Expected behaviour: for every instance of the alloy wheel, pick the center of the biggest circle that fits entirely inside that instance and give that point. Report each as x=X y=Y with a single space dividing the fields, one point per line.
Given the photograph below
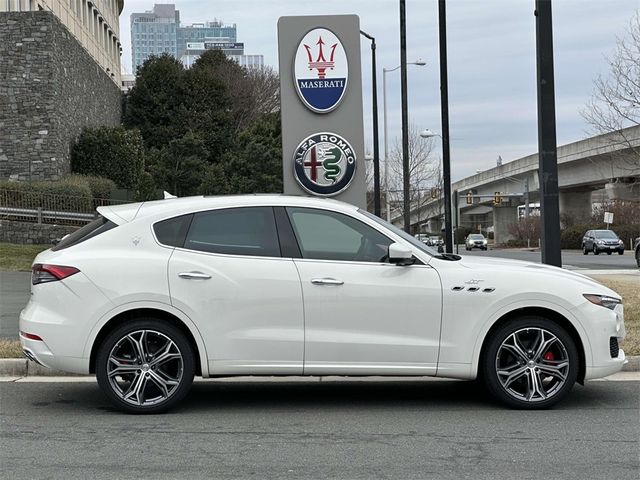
x=532 y=364
x=145 y=367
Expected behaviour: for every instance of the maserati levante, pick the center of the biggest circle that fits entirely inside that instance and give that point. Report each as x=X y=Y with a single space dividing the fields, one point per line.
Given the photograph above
x=151 y=294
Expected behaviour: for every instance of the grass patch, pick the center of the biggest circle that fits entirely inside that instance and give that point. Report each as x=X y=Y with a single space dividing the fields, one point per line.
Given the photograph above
x=629 y=290
x=10 y=349
x=18 y=258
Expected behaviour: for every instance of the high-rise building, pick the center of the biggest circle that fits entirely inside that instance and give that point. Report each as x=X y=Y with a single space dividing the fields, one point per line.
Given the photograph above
x=159 y=31
x=154 y=33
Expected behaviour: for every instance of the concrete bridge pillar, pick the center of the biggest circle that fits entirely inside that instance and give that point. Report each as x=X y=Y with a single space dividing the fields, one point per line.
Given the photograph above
x=575 y=206
x=434 y=225
x=503 y=217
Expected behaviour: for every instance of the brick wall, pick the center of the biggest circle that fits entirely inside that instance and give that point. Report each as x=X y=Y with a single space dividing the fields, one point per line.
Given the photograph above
x=50 y=88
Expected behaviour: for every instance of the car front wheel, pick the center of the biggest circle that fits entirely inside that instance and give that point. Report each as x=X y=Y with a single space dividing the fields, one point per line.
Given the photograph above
x=584 y=250
x=530 y=363
x=638 y=257
x=145 y=366
x=595 y=250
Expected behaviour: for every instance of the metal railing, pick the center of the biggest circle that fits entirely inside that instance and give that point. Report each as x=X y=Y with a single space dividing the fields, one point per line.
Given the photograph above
x=37 y=207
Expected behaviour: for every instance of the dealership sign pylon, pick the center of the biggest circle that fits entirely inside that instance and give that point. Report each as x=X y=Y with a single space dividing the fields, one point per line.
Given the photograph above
x=321 y=106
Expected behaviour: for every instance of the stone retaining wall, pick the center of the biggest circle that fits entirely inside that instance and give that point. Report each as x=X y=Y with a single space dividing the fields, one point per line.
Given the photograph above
x=25 y=233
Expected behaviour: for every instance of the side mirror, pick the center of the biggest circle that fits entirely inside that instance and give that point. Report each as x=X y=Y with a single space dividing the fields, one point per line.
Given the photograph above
x=400 y=255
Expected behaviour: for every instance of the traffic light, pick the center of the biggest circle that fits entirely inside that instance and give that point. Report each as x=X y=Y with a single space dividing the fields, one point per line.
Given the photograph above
x=497 y=199
x=470 y=198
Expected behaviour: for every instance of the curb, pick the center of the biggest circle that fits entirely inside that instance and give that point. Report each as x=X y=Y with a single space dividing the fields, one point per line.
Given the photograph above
x=18 y=367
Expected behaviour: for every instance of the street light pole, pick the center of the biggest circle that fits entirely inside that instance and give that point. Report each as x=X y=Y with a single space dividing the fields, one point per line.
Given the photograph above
x=376 y=147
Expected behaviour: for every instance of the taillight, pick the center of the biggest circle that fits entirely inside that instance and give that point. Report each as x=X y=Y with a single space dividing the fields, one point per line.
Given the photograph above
x=43 y=273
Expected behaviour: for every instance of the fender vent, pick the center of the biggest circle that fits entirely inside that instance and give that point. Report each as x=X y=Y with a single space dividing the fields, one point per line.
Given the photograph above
x=473 y=289
x=488 y=290
x=457 y=289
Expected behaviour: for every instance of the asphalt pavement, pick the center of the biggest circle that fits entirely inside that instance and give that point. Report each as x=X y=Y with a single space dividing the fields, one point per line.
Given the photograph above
x=571 y=259
x=334 y=429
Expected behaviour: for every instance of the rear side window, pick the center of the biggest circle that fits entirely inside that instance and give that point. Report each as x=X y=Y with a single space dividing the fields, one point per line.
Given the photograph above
x=95 y=228
x=235 y=231
x=173 y=231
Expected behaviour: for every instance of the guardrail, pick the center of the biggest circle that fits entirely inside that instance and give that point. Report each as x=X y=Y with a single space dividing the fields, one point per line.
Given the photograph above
x=26 y=206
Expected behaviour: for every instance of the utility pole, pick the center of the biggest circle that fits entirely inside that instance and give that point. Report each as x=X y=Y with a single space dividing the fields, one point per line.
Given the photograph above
x=406 y=204
x=547 y=147
x=444 y=107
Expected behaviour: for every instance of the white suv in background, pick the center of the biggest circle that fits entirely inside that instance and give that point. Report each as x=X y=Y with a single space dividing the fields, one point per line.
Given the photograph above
x=151 y=294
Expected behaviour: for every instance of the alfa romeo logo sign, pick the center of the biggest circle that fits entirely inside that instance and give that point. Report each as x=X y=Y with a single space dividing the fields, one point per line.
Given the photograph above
x=324 y=164
x=321 y=70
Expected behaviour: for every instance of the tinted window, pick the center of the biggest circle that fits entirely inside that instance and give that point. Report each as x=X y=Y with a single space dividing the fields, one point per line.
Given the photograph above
x=173 y=231
x=476 y=236
x=235 y=231
x=326 y=235
x=607 y=234
x=98 y=226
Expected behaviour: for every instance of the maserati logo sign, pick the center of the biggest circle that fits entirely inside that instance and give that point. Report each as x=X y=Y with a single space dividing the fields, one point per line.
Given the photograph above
x=321 y=71
x=324 y=164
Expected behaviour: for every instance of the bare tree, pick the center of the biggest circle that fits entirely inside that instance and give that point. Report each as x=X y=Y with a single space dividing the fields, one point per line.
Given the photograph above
x=424 y=171
x=615 y=103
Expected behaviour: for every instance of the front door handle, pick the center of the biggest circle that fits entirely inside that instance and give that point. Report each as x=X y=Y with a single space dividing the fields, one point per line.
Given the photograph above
x=194 y=275
x=326 y=281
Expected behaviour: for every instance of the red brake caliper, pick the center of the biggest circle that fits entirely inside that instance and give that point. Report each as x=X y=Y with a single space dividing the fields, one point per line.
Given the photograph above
x=549 y=356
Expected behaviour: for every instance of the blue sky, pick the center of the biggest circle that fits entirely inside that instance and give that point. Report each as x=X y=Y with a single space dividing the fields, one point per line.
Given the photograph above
x=491 y=50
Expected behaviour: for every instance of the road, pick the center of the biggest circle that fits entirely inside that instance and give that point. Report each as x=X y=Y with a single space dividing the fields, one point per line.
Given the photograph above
x=332 y=429
x=571 y=259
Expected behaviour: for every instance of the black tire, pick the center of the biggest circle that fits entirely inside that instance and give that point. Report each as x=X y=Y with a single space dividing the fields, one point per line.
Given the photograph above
x=584 y=250
x=527 y=326
x=183 y=367
x=638 y=257
x=595 y=250
x=609 y=252
x=620 y=252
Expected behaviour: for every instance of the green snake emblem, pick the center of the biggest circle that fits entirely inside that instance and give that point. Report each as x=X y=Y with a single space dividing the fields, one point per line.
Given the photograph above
x=332 y=157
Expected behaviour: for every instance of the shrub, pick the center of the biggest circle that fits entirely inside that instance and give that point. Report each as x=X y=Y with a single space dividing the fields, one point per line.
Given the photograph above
x=101 y=188
x=70 y=195
x=110 y=152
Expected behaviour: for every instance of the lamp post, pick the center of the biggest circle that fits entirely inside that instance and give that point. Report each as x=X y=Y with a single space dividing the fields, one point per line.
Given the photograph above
x=374 y=101
x=419 y=63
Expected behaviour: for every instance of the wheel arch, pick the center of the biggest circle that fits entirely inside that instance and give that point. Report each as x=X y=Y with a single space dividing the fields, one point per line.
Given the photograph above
x=142 y=312
x=549 y=314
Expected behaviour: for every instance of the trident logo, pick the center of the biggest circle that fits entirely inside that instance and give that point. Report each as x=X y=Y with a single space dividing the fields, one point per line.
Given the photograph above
x=321 y=64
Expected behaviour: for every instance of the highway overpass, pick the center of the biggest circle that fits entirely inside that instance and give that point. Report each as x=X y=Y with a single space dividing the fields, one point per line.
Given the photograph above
x=610 y=162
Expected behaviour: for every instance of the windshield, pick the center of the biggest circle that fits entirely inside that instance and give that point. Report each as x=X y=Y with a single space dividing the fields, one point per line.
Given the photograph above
x=401 y=233
x=476 y=236
x=606 y=234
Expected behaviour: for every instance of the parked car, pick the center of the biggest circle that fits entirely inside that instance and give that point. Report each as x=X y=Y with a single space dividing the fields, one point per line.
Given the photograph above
x=435 y=241
x=636 y=247
x=149 y=295
x=422 y=237
x=475 y=240
x=598 y=241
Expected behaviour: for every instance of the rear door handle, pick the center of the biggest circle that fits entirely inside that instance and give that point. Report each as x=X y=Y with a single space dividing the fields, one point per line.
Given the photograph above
x=194 y=275
x=326 y=281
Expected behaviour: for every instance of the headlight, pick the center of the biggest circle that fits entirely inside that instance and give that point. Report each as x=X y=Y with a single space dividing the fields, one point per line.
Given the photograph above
x=603 y=300
x=620 y=242
x=600 y=242
x=484 y=241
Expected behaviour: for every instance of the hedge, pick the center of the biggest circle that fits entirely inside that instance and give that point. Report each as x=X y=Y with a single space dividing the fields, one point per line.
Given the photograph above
x=67 y=194
x=110 y=152
x=101 y=188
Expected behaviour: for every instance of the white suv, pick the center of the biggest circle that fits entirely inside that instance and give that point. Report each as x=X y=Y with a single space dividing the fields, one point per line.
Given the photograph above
x=151 y=294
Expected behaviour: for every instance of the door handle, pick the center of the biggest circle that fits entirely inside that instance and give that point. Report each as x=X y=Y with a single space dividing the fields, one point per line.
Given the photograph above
x=194 y=275
x=326 y=281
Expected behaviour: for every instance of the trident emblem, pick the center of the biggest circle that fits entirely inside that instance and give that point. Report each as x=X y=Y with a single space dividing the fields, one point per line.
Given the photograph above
x=321 y=64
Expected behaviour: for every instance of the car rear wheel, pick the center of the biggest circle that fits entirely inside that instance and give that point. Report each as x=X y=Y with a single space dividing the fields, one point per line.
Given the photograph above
x=530 y=363
x=584 y=250
x=145 y=366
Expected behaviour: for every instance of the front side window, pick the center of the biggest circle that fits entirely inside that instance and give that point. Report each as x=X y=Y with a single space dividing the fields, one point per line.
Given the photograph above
x=326 y=235
x=235 y=231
